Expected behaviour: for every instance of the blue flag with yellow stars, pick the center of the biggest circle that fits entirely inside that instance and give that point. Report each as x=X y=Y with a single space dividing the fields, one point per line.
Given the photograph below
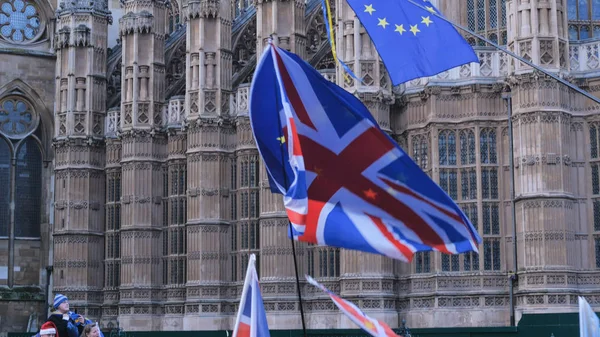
x=411 y=41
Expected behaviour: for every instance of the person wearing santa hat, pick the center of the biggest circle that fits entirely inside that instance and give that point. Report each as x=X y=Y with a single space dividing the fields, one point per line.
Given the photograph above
x=48 y=330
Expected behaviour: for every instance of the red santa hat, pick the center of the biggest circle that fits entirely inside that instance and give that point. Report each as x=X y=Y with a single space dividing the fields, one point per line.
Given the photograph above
x=48 y=328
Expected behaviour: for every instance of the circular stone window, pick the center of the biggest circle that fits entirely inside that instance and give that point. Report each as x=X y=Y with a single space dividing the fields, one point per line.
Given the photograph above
x=17 y=118
x=19 y=21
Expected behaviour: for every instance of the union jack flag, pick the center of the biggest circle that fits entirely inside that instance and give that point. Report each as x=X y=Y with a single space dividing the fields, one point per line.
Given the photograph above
x=252 y=318
x=345 y=182
x=372 y=326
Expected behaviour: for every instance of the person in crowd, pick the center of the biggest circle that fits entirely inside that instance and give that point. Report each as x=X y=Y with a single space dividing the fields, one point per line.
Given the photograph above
x=68 y=324
x=91 y=330
x=48 y=330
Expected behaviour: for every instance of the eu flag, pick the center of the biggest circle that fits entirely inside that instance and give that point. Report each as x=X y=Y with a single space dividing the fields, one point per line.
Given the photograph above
x=411 y=41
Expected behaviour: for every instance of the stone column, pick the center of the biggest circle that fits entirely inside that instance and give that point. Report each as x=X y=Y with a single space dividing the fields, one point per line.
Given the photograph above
x=209 y=58
x=362 y=272
x=545 y=211
x=284 y=21
x=209 y=133
x=79 y=144
x=142 y=31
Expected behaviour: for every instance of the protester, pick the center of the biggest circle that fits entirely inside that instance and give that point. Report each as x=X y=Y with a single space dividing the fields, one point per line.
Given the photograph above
x=66 y=324
x=91 y=330
x=48 y=330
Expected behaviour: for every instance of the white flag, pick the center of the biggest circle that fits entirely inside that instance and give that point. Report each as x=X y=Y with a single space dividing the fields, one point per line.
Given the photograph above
x=589 y=324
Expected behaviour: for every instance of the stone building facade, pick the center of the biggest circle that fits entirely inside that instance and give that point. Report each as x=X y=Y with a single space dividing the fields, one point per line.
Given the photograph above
x=129 y=179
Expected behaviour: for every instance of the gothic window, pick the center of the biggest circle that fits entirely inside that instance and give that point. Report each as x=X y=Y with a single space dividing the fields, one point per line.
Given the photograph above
x=447 y=149
x=20 y=21
x=491 y=254
x=20 y=153
x=488 y=18
x=323 y=261
x=420 y=151
x=112 y=253
x=5 y=155
x=597 y=251
x=245 y=240
x=177 y=218
x=595 y=170
x=584 y=19
x=450 y=262
x=245 y=206
x=468 y=173
x=489 y=192
x=471 y=261
x=422 y=262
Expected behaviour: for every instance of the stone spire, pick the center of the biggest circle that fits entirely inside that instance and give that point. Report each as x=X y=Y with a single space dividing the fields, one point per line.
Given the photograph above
x=142 y=31
x=79 y=191
x=208 y=86
x=209 y=133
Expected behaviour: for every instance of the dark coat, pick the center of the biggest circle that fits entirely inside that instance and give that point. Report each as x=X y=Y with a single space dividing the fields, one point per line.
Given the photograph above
x=65 y=328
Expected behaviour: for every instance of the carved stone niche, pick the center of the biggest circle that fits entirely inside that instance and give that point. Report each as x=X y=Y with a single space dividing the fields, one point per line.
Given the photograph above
x=81 y=36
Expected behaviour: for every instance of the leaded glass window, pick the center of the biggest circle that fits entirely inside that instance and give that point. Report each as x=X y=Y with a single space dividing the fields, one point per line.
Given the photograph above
x=594 y=140
x=5 y=155
x=584 y=19
x=245 y=211
x=422 y=262
x=491 y=253
x=487 y=144
x=28 y=189
x=420 y=151
x=447 y=147
x=19 y=20
x=596 y=214
x=488 y=18
x=450 y=262
x=471 y=261
x=597 y=251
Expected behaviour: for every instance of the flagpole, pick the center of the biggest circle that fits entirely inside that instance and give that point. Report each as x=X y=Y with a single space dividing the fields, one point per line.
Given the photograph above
x=285 y=178
x=529 y=63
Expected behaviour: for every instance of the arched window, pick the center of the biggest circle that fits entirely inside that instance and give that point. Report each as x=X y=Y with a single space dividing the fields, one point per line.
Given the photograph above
x=20 y=168
x=5 y=155
x=584 y=19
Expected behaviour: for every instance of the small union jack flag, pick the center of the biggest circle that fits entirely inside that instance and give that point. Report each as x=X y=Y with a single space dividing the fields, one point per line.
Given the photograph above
x=345 y=182
x=252 y=318
x=372 y=326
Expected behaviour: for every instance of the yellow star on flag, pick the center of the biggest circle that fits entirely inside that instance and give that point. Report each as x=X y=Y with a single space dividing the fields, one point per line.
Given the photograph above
x=426 y=20
x=382 y=22
x=369 y=9
x=414 y=29
x=400 y=29
x=430 y=9
x=281 y=139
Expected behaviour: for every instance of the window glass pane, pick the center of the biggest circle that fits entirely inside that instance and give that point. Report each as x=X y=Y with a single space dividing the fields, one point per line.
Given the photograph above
x=583 y=10
x=28 y=189
x=4 y=191
x=584 y=32
x=595 y=9
x=573 y=33
x=572 y=9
